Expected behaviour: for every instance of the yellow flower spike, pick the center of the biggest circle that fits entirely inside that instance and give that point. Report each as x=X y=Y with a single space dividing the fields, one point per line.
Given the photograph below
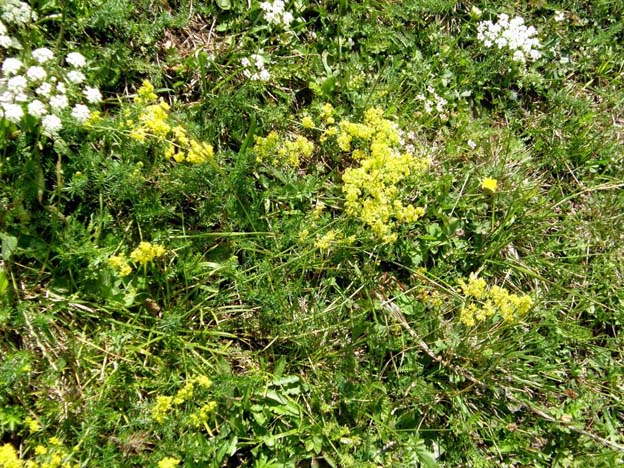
x=489 y=184
x=94 y=118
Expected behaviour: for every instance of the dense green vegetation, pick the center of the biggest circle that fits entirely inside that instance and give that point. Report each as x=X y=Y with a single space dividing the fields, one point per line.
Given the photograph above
x=311 y=234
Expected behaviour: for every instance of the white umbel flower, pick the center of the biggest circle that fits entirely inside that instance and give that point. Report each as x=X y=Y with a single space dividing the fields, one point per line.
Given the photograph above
x=42 y=55
x=512 y=35
x=51 y=124
x=12 y=112
x=76 y=59
x=76 y=77
x=81 y=113
x=5 y=41
x=59 y=102
x=11 y=66
x=36 y=73
x=36 y=108
x=44 y=90
x=264 y=75
x=16 y=12
x=17 y=84
x=92 y=94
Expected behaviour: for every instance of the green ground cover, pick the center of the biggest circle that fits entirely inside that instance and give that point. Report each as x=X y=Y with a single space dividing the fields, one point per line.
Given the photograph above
x=311 y=234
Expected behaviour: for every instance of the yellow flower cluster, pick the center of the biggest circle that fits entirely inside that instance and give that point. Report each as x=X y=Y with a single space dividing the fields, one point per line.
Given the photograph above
x=32 y=424
x=307 y=122
x=182 y=148
x=372 y=189
x=168 y=462
x=164 y=404
x=283 y=151
x=8 y=457
x=153 y=122
x=482 y=301
x=52 y=456
x=145 y=94
x=145 y=253
x=119 y=263
x=201 y=415
x=325 y=241
x=327 y=114
x=161 y=408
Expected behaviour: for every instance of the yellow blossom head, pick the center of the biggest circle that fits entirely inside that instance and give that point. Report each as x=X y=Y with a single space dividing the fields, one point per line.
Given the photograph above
x=489 y=184
x=147 y=252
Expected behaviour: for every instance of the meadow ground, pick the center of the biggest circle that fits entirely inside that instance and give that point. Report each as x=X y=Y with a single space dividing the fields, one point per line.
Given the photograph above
x=311 y=234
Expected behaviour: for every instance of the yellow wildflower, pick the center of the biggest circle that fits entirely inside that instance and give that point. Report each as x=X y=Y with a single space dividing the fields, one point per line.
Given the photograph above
x=325 y=241
x=489 y=184
x=467 y=315
x=55 y=441
x=94 y=118
x=184 y=394
x=199 y=152
x=120 y=264
x=282 y=151
x=147 y=252
x=307 y=122
x=161 y=408
x=40 y=450
x=203 y=381
x=476 y=287
x=32 y=424
x=327 y=112
x=168 y=462
x=8 y=457
x=493 y=300
x=201 y=416
x=145 y=94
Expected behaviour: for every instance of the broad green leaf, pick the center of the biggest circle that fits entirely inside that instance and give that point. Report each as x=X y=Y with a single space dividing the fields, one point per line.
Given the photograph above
x=9 y=245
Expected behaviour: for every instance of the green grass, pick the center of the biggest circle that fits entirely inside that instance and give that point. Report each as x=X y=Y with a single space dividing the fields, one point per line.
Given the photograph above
x=325 y=345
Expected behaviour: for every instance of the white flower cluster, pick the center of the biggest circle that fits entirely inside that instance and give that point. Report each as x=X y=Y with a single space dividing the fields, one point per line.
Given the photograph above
x=254 y=68
x=6 y=41
x=16 y=12
x=274 y=13
x=511 y=34
x=41 y=89
x=432 y=100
